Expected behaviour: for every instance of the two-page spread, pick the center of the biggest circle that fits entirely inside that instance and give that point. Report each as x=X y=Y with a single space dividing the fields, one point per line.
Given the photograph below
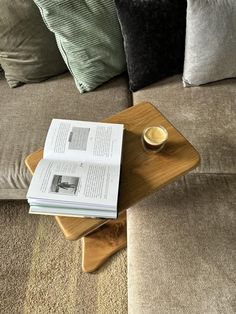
x=80 y=172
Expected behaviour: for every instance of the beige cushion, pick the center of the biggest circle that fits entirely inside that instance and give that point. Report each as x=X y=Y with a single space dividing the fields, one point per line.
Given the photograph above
x=181 y=240
x=205 y=115
x=181 y=248
x=26 y=113
x=28 y=50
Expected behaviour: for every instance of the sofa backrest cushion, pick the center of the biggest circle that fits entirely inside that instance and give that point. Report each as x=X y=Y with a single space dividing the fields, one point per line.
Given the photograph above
x=89 y=38
x=28 y=50
x=210 y=53
x=154 y=35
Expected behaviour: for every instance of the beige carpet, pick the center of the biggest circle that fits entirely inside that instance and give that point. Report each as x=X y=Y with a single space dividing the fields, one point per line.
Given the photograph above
x=40 y=272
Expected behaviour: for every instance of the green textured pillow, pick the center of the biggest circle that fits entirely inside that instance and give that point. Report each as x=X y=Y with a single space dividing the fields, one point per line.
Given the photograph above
x=28 y=50
x=89 y=38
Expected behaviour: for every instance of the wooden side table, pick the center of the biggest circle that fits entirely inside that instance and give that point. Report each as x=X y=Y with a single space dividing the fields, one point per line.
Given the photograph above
x=142 y=173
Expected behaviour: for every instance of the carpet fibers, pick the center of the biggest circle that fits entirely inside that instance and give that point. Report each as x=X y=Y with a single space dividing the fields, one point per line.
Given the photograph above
x=40 y=271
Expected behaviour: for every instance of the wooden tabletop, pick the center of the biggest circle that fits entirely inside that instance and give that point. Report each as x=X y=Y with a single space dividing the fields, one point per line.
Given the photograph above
x=142 y=173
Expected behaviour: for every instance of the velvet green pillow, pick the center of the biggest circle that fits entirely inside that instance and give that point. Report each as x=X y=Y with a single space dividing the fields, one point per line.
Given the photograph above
x=28 y=50
x=89 y=38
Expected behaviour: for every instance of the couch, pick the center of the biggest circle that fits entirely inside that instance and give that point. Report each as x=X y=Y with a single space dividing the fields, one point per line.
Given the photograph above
x=181 y=240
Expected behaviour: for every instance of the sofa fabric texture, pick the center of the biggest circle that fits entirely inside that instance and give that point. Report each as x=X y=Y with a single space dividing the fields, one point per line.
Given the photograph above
x=89 y=38
x=26 y=114
x=181 y=248
x=154 y=37
x=210 y=53
x=28 y=50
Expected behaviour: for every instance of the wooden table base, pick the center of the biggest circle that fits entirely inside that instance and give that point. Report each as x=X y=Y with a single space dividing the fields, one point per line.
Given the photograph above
x=105 y=241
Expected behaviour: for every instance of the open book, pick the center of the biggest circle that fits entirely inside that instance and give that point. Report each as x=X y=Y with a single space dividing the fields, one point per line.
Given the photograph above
x=79 y=174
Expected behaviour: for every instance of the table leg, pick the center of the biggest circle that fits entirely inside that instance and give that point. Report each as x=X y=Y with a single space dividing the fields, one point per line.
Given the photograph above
x=105 y=241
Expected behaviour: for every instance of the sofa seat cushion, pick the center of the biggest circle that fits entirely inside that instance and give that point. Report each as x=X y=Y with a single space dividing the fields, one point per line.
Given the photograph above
x=26 y=113
x=181 y=248
x=205 y=115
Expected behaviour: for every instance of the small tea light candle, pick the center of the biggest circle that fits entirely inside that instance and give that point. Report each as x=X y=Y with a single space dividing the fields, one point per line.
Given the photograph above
x=154 y=138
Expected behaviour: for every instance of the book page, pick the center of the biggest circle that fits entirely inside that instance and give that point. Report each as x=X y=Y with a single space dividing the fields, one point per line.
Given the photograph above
x=84 y=141
x=72 y=212
x=77 y=182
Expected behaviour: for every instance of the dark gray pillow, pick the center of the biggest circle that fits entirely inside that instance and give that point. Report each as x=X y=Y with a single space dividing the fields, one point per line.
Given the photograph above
x=154 y=35
x=210 y=52
x=28 y=50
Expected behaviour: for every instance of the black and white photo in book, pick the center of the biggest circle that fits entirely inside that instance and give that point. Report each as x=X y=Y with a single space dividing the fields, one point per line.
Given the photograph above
x=78 y=138
x=64 y=185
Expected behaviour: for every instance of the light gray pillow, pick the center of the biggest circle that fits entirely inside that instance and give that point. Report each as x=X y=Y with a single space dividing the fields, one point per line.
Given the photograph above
x=210 y=48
